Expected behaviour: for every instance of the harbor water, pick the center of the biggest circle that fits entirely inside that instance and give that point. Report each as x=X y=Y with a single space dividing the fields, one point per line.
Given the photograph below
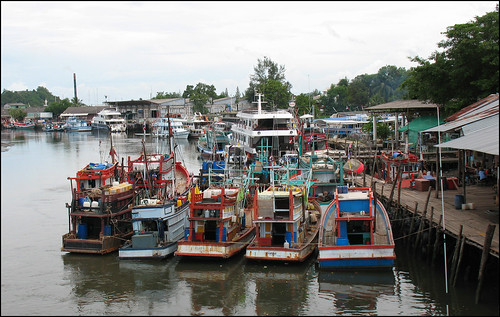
x=39 y=279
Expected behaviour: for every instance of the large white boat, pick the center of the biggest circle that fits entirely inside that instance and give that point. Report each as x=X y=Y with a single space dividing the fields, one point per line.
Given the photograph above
x=162 y=127
x=276 y=129
x=77 y=124
x=197 y=125
x=109 y=119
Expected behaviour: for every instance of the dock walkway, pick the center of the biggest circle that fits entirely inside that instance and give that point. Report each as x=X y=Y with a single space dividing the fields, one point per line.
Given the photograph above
x=475 y=222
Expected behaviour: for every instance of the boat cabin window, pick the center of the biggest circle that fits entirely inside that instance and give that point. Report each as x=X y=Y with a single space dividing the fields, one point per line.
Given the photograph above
x=149 y=225
x=358 y=232
x=278 y=233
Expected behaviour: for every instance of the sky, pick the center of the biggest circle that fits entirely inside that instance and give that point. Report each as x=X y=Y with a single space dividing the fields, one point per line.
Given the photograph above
x=128 y=50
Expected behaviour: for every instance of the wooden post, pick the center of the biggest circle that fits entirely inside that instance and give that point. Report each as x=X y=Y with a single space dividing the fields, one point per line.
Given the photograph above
x=394 y=183
x=364 y=177
x=427 y=200
x=420 y=228
x=412 y=221
x=399 y=192
x=431 y=225
x=436 y=241
x=484 y=258
x=462 y=245
x=455 y=254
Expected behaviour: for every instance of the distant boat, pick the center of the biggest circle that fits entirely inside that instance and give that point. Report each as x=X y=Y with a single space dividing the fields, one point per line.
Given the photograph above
x=76 y=124
x=355 y=232
x=53 y=127
x=164 y=127
x=23 y=125
x=197 y=125
x=109 y=119
x=213 y=145
x=256 y=128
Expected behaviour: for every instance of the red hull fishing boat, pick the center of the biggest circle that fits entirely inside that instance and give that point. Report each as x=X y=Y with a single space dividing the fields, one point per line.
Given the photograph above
x=100 y=210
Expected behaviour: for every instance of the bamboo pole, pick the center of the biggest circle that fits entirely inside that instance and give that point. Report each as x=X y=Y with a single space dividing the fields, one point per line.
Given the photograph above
x=421 y=228
x=431 y=225
x=412 y=221
x=394 y=183
x=484 y=258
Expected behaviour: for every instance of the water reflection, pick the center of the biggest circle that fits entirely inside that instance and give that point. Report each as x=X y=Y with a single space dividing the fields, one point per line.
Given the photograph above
x=356 y=291
x=216 y=285
x=280 y=283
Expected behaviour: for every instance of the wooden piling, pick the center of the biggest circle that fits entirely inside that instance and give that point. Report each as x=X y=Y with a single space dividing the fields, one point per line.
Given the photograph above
x=412 y=221
x=436 y=241
x=421 y=228
x=431 y=225
x=455 y=254
x=394 y=183
x=484 y=258
x=457 y=270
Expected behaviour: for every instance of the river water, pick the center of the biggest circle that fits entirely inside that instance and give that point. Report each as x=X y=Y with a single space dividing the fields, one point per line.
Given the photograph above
x=38 y=279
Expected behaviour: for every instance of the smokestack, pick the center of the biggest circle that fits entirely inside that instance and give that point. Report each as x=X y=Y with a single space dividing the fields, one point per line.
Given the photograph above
x=74 y=81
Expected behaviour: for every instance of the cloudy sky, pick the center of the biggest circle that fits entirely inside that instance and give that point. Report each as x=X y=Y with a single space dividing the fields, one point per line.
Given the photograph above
x=132 y=50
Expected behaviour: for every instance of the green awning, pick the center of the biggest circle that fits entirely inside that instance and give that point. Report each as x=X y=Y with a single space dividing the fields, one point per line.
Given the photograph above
x=420 y=124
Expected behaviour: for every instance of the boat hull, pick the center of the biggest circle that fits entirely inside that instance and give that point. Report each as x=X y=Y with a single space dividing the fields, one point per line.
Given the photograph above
x=127 y=252
x=216 y=249
x=96 y=246
x=356 y=257
x=281 y=253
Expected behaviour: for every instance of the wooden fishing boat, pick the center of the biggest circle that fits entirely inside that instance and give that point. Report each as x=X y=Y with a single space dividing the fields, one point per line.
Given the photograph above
x=100 y=210
x=212 y=145
x=355 y=232
x=27 y=125
x=218 y=224
x=287 y=224
x=159 y=216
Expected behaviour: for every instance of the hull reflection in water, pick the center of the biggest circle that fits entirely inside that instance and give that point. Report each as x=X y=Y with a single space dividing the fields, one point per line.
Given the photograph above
x=281 y=290
x=217 y=285
x=357 y=291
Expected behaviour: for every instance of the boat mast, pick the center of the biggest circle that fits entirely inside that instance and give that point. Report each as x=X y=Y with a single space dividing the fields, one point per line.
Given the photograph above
x=172 y=150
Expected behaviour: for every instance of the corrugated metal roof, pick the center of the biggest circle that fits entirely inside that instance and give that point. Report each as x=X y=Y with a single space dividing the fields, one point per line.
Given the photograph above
x=401 y=105
x=482 y=109
x=483 y=140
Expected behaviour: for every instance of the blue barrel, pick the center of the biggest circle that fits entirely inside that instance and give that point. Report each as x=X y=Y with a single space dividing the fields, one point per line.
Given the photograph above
x=288 y=237
x=459 y=200
x=82 y=231
x=107 y=230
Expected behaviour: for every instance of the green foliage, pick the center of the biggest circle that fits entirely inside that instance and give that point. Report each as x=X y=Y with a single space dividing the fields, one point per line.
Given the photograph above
x=18 y=114
x=167 y=95
x=467 y=69
x=269 y=79
x=34 y=98
x=58 y=107
x=383 y=128
x=200 y=96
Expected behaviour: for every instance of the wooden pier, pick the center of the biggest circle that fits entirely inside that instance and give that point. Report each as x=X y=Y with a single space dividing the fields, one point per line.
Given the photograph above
x=474 y=223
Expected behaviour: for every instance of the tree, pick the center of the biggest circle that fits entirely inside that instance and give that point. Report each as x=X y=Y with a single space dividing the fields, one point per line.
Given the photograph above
x=269 y=79
x=200 y=96
x=18 y=114
x=467 y=69
x=358 y=92
x=383 y=128
x=166 y=95
x=58 y=107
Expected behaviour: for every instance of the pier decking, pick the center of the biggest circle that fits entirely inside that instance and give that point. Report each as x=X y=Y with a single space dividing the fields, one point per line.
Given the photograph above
x=475 y=222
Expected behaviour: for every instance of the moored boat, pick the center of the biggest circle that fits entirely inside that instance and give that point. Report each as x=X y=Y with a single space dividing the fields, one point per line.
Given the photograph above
x=109 y=119
x=74 y=124
x=165 y=127
x=160 y=214
x=213 y=144
x=26 y=125
x=219 y=225
x=100 y=210
x=287 y=224
x=355 y=232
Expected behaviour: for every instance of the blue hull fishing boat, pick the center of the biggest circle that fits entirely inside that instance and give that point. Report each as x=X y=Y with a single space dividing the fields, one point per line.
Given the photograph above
x=355 y=232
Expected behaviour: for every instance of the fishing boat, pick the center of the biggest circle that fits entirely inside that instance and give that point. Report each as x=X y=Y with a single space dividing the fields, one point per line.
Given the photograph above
x=275 y=128
x=197 y=125
x=26 y=125
x=75 y=124
x=212 y=145
x=164 y=127
x=109 y=119
x=287 y=223
x=219 y=225
x=53 y=127
x=160 y=214
x=101 y=209
x=355 y=232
